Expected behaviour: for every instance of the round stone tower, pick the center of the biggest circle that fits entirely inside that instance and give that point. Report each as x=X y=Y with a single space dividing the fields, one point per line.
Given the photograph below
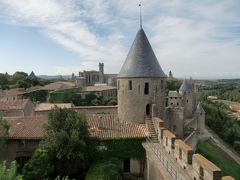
x=141 y=83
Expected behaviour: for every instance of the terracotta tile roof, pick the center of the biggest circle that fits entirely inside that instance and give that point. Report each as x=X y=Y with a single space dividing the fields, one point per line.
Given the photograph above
x=13 y=105
x=58 y=86
x=98 y=88
x=49 y=106
x=183 y=145
x=108 y=127
x=14 y=92
x=26 y=127
x=208 y=164
x=168 y=133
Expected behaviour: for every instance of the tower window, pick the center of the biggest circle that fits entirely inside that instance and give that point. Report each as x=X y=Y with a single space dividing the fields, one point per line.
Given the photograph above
x=174 y=128
x=161 y=84
x=146 y=88
x=118 y=84
x=130 y=84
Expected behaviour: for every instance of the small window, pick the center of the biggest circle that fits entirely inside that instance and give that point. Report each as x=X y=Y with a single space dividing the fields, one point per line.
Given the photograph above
x=161 y=84
x=146 y=88
x=138 y=89
x=177 y=104
x=187 y=101
x=118 y=85
x=126 y=165
x=180 y=153
x=130 y=84
x=174 y=128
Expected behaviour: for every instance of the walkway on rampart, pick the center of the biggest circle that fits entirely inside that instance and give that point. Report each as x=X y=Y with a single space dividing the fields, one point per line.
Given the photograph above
x=167 y=161
x=226 y=148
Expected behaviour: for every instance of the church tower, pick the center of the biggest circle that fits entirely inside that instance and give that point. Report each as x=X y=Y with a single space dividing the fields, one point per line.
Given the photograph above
x=141 y=83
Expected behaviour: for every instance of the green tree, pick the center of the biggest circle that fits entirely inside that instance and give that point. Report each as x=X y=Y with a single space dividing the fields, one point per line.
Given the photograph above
x=95 y=102
x=39 y=167
x=9 y=173
x=67 y=145
x=18 y=76
x=173 y=83
x=4 y=81
x=112 y=101
x=105 y=170
x=4 y=127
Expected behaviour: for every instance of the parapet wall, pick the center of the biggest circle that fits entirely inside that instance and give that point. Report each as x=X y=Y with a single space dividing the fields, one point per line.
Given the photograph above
x=195 y=165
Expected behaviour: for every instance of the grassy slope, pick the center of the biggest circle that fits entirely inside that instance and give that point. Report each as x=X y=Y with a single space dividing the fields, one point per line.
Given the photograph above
x=212 y=152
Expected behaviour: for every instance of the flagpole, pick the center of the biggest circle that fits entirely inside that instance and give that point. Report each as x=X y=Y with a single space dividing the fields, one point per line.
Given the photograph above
x=140 y=5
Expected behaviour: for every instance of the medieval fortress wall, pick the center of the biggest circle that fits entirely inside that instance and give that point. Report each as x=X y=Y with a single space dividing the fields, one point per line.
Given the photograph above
x=172 y=158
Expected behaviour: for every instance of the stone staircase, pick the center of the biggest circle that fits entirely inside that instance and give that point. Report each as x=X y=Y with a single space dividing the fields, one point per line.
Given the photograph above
x=151 y=129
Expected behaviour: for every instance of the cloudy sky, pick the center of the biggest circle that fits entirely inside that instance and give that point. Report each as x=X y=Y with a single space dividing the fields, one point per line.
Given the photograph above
x=190 y=37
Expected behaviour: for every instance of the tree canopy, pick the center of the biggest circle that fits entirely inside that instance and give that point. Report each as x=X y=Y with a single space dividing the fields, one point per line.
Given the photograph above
x=67 y=149
x=4 y=127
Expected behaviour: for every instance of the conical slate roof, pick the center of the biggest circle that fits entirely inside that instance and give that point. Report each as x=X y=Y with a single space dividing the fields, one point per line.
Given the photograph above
x=141 y=60
x=185 y=87
x=200 y=108
x=32 y=75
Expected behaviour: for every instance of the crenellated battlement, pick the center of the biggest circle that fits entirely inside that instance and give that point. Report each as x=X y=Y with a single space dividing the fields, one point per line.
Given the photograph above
x=178 y=158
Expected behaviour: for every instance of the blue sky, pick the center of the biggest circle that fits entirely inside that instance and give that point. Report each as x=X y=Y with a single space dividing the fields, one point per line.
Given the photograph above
x=192 y=38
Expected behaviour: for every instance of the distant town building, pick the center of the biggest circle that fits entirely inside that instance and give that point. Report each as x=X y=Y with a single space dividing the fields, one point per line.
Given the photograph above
x=92 y=77
x=16 y=108
x=101 y=90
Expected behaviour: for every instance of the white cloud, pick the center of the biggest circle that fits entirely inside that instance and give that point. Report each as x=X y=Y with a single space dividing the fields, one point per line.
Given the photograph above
x=189 y=37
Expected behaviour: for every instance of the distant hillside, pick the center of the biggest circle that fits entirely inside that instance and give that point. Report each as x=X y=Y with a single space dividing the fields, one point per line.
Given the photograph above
x=55 y=77
x=218 y=84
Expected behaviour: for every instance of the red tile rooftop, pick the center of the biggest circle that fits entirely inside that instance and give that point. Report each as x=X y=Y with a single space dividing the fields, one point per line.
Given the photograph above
x=102 y=127
x=13 y=92
x=16 y=104
x=26 y=127
x=109 y=127
x=58 y=86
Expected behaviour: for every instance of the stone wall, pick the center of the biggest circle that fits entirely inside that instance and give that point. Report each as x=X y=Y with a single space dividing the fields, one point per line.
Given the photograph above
x=29 y=108
x=88 y=110
x=133 y=101
x=13 y=113
x=17 y=148
x=195 y=166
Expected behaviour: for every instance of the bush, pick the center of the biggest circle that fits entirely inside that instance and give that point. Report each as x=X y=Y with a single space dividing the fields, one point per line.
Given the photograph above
x=9 y=173
x=39 y=166
x=236 y=146
x=219 y=120
x=105 y=170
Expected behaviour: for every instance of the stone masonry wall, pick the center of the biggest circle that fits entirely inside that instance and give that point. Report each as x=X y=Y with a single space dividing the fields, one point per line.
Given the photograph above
x=132 y=102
